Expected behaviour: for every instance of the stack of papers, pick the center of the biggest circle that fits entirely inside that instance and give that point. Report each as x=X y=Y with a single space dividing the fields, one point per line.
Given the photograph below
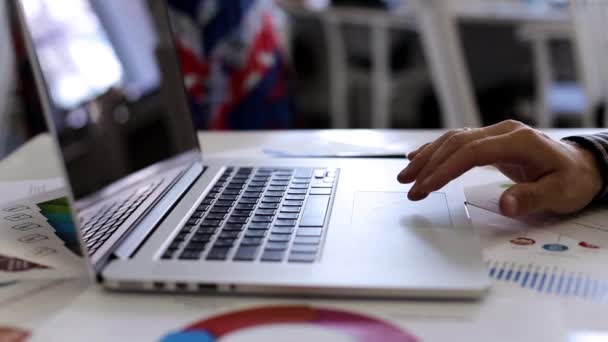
x=38 y=239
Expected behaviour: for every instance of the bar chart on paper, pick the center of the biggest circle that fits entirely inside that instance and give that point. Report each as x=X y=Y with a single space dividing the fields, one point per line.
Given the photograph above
x=550 y=280
x=559 y=257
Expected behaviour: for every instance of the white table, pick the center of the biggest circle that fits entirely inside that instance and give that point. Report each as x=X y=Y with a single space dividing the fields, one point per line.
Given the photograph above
x=76 y=310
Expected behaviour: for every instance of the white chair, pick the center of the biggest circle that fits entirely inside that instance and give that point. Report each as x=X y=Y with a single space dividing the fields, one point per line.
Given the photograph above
x=589 y=22
x=436 y=24
x=7 y=77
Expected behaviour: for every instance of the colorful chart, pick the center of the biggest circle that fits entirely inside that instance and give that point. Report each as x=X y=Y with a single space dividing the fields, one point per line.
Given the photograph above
x=553 y=281
x=354 y=326
x=58 y=214
x=9 y=264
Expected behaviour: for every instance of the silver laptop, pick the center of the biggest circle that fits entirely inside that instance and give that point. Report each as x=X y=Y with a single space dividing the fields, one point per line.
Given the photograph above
x=153 y=214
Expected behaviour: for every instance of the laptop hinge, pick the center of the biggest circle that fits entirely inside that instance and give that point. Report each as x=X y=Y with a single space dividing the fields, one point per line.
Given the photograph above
x=141 y=231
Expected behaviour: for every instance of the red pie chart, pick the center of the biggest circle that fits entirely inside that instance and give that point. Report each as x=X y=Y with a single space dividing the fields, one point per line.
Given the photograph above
x=294 y=321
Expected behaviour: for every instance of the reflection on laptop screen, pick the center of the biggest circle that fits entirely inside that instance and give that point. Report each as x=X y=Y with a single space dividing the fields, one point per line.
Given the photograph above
x=113 y=84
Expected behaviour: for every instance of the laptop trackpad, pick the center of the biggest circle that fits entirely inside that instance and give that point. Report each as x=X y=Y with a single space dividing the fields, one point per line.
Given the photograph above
x=393 y=209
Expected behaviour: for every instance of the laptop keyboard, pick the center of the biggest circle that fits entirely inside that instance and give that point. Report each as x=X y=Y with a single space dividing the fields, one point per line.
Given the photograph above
x=265 y=214
x=97 y=230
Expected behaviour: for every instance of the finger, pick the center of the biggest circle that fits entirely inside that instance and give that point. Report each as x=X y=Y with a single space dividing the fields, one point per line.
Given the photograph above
x=456 y=142
x=421 y=158
x=488 y=151
x=414 y=153
x=526 y=198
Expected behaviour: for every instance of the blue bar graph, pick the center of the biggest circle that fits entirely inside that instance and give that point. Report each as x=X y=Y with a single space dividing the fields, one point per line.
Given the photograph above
x=550 y=280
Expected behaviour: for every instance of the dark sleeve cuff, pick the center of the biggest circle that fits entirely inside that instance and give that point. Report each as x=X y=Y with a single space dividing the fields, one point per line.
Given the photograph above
x=598 y=145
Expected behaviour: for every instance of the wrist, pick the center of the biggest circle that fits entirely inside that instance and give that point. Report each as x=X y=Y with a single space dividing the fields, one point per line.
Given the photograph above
x=590 y=168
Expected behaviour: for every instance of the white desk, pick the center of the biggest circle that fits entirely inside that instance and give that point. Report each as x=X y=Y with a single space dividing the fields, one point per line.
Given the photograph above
x=77 y=311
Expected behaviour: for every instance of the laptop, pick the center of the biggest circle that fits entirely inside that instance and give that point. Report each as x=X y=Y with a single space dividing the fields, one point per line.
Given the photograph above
x=154 y=214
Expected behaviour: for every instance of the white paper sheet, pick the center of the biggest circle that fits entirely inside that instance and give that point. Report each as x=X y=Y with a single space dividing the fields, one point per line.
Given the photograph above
x=547 y=256
x=25 y=233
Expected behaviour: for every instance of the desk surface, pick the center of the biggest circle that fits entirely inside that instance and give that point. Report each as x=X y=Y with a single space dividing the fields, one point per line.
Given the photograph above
x=502 y=316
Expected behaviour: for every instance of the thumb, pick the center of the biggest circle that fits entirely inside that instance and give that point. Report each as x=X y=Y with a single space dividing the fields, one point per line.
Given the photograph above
x=525 y=198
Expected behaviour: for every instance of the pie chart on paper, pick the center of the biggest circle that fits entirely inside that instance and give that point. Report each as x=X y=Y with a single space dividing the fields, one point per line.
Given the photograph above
x=290 y=323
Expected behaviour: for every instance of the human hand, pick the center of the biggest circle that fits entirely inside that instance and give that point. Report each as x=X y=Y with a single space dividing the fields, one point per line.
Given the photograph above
x=554 y=176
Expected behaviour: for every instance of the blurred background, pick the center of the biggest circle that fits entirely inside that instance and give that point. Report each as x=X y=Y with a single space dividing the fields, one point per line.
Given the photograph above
x=310 y=64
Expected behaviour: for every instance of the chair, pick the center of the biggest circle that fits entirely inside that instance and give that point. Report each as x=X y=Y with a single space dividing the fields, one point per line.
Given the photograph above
x=437 y=28
x=589 y=92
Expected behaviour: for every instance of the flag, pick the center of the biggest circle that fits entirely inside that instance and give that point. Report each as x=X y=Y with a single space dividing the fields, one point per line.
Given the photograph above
x=234 y=64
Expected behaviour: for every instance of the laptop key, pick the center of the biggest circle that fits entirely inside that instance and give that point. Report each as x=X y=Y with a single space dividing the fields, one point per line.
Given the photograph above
x=297 y=191
x=282 y=230
x=206 y=230
x=310 y=232
x=302 y=257
x=228 y=197
x=245 y=206
x=320 y=191
x=235 y=227
x=274 y=193
x=269 y=206
x=222 y=203
x=273 y=256
x=190 y=255
x=279 y=183
x=168 y=255
x=246 y=253
x=271 y=200
x=229 y=235
x=307 y=240
x=252 y=194
x=293 y=203
x=248 y=201
x=218 y=254
x=288 y=216
x=220 y=210
x=299 y=186
x=295 y=197
x=291 y=209
x=259 y=226
x=195 y=246
x=279 y=238
x=315 y=211
x=285 y=223
x=197 y=214
x=277 y=246
x=304 y=248
x=215 y=216
x=303 y=173
x=223 y=243
x=242 y=213
x=175 y=245
x=252 y=241
x=211 y=223
x=255 y=233
x=201 y=238
x=262 y=219
x=237 y=219
x=265 y=212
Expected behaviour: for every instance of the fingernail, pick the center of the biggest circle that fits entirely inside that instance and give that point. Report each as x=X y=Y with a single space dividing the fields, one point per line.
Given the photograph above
x=510 y=205
x=401 y=177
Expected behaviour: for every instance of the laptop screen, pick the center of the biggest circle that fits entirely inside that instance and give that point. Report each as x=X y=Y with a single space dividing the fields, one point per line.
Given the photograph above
x=113 y=87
